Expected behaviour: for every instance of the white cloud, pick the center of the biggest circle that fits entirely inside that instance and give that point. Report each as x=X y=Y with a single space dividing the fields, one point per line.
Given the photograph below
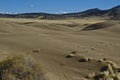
x=5 y=12
x=8 y=12
x=62 y=12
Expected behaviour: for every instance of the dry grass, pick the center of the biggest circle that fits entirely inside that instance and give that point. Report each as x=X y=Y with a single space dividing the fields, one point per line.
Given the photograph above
x=77 y=21
x=21 y=68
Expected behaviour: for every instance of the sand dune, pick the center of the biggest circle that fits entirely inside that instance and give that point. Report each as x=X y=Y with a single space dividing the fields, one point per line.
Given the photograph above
x=56 y=39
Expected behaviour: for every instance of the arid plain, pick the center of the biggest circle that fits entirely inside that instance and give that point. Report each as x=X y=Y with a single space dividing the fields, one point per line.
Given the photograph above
x=55 y=39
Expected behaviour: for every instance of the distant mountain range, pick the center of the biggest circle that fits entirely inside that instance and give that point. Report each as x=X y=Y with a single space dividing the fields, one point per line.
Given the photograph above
x=113 y=13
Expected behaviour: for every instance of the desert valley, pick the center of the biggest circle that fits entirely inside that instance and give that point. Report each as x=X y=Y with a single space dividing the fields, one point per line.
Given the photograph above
x=75 y=46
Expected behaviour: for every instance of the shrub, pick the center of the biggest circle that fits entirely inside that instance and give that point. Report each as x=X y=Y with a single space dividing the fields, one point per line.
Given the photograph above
x=21 y=68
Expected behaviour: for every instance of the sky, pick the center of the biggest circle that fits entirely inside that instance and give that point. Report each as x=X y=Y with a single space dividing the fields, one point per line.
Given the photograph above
x=54 y=6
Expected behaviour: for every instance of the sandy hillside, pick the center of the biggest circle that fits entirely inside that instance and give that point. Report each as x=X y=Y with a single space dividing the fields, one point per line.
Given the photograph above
x=96 y=39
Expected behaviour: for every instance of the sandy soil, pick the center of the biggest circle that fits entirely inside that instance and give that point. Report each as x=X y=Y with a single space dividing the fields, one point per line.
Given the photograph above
x=58 y=38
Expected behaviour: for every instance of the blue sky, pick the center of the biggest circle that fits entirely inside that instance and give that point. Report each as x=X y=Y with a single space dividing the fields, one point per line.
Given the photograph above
x=54 y=6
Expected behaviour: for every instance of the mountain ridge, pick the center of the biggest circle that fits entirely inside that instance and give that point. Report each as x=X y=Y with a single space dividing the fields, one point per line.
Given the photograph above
x=113 y=13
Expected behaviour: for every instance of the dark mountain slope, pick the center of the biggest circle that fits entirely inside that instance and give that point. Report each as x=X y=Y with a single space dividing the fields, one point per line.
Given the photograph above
x=113 y=13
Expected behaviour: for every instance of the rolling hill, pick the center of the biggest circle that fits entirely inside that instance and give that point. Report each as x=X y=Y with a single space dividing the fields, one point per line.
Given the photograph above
x=113 y=13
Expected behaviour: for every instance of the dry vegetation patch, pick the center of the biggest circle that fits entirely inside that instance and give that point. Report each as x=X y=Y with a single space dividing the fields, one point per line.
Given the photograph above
x=21 y=68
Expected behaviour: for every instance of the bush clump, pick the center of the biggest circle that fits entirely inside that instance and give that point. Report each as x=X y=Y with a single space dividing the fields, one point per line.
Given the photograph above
x=21 y=68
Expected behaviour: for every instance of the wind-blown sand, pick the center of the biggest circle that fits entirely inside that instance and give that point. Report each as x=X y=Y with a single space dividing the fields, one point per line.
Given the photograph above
x=58 y=38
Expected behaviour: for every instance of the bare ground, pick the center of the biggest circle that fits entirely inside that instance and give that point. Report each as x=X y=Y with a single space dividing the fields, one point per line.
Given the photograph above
x=58 y=38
